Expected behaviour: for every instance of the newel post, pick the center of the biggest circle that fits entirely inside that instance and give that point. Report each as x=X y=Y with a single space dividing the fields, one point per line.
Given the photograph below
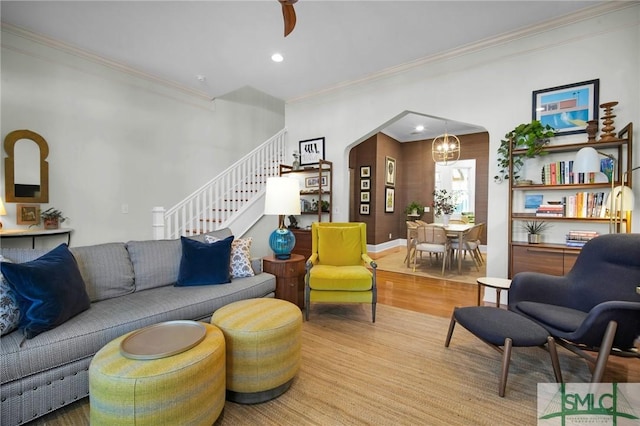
x=158 y=223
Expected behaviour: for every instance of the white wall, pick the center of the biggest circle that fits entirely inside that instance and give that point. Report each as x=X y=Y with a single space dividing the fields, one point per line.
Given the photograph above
x=117 y=138
x=489 y=87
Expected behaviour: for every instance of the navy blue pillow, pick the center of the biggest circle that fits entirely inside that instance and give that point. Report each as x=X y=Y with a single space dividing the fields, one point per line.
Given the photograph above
x=204 y=263
x=49 y=290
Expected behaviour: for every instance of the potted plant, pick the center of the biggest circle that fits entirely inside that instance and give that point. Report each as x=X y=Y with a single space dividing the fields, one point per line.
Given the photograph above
x=444 y=203
x=52 y=218
x=535 y=229
x=414 y=209
x=532 y=137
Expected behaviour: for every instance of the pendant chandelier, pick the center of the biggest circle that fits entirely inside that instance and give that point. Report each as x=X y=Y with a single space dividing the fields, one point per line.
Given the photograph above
x=445 y=149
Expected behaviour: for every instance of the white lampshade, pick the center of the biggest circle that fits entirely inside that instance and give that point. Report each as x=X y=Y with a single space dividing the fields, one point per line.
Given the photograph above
x=282 y=196
x=3 y=212
x=624 y=199
x=587 y=161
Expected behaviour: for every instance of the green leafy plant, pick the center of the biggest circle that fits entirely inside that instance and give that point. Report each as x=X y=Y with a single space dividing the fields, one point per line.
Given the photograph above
x=444 y=202
x=52 y=213
x=535 y=227
x=532 y=137
x=414 y=205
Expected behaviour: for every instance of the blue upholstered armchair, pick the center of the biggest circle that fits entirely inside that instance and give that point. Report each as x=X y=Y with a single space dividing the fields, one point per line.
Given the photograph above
x=595 y=307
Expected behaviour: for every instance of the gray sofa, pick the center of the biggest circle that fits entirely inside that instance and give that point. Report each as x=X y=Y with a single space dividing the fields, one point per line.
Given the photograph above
x=131 y=285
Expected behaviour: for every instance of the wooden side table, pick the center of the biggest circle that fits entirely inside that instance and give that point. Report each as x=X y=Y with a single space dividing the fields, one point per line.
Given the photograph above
x=289 y=277
x=497 y=283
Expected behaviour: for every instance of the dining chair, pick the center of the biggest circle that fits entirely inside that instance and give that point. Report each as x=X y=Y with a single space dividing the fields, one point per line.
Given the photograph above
x=432 y=239
x=411 y=235
x=470 y=243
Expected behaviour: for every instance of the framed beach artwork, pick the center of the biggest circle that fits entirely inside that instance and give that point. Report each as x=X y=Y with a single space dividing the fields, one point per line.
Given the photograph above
x=567 y=108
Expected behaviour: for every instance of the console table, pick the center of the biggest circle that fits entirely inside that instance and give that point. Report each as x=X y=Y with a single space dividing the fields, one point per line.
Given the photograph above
x=35 y=233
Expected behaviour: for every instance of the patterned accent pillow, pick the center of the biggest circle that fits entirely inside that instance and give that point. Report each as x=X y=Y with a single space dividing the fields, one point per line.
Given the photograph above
x=9 y=309
x=240 y=265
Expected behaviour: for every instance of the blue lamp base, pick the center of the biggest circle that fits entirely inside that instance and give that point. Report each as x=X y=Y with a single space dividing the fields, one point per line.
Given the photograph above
x=282 y=242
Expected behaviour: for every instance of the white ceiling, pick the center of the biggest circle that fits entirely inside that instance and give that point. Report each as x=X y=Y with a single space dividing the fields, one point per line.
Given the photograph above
x=231 y=42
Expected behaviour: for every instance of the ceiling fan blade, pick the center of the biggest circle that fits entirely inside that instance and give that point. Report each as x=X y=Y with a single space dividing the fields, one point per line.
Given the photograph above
x=289 y=15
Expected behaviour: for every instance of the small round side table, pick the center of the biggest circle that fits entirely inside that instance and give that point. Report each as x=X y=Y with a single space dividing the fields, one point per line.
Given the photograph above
x=497 y=283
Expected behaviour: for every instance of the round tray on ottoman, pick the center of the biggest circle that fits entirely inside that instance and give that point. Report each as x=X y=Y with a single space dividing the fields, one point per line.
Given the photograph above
x=499 y=327
x=263 y=338
x=162 y=385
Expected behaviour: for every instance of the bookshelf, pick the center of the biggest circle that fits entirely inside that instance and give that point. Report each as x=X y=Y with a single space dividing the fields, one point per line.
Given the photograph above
x=553 y=255
x=316 y=198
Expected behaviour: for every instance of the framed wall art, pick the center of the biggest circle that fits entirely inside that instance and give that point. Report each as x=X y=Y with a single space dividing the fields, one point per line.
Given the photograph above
x=365 y=184
x=313 y=182
x=365 y=196
x=567 y=108
x=28 y=214
x=311 y=150
x=390 y=171
x=365 y=171
x=389 y=200
x=364 y=208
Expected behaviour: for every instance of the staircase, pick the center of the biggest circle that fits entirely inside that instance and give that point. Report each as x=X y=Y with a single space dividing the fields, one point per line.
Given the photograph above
x=232 y=199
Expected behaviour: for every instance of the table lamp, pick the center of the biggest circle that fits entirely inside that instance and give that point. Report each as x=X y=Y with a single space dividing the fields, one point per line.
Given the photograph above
x=587 y=161
x=3 y=211
x=282 y=198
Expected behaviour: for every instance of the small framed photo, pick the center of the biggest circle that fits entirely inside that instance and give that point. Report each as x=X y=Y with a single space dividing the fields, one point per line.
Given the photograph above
x=390 y=171
x=28 y=214
x=365 y=184
x=313 y=182
x=389 y=200
x=364 y=208
x=365 y=171
x=532 y=201
x=567 y=108
x=311 y=151
x=365 y=196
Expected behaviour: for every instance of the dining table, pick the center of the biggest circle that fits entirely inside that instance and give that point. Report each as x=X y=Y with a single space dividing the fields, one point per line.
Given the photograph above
x=453 y=230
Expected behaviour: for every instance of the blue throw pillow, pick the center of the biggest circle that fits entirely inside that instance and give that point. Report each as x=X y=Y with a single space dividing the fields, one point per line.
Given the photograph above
x=203 y=263
x=49 y=289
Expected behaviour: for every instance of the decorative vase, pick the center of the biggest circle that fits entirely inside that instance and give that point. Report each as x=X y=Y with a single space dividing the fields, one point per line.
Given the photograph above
x=52 y=223
x=445 y=219
x=592 y=129
x=535 y=238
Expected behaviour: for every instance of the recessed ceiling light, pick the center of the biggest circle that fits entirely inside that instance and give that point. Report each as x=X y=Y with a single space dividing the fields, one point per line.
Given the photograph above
x=276 y=57
x=201 y=78
x=419 y=128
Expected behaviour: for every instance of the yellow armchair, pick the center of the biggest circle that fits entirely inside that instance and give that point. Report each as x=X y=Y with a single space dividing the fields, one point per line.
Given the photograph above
x=336 y=271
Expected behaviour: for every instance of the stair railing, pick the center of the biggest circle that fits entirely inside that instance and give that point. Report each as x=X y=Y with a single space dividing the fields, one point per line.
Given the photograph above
x=215 y=204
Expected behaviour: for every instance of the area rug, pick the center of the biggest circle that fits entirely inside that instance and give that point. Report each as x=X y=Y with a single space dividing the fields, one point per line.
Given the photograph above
x=394 y=372
x=395 y=262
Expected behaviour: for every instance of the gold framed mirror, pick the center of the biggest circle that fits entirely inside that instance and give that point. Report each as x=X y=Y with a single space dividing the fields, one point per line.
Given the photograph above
x=26 y=171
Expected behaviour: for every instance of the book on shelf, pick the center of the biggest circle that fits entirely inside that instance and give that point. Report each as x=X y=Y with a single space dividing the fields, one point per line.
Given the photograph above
x=586 y=204
x=550 y=210
x=579 y=238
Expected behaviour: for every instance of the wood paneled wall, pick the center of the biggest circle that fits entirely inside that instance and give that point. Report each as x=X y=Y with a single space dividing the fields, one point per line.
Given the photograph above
x=415 y=172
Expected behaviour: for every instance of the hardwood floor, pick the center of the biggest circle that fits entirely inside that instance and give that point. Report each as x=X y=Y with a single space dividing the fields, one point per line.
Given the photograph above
x=421 y=294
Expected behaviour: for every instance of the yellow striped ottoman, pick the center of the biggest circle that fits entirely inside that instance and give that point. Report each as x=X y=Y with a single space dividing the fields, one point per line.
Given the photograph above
x=263 y=347
x=186 y=388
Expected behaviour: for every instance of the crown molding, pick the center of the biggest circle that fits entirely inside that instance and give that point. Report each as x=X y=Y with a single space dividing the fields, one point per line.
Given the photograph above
x=582 y=15
x=88 y=56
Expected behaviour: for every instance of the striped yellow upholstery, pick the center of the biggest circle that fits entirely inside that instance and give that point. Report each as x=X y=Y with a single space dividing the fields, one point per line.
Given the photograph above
x=263 y=345
x=187 y=388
